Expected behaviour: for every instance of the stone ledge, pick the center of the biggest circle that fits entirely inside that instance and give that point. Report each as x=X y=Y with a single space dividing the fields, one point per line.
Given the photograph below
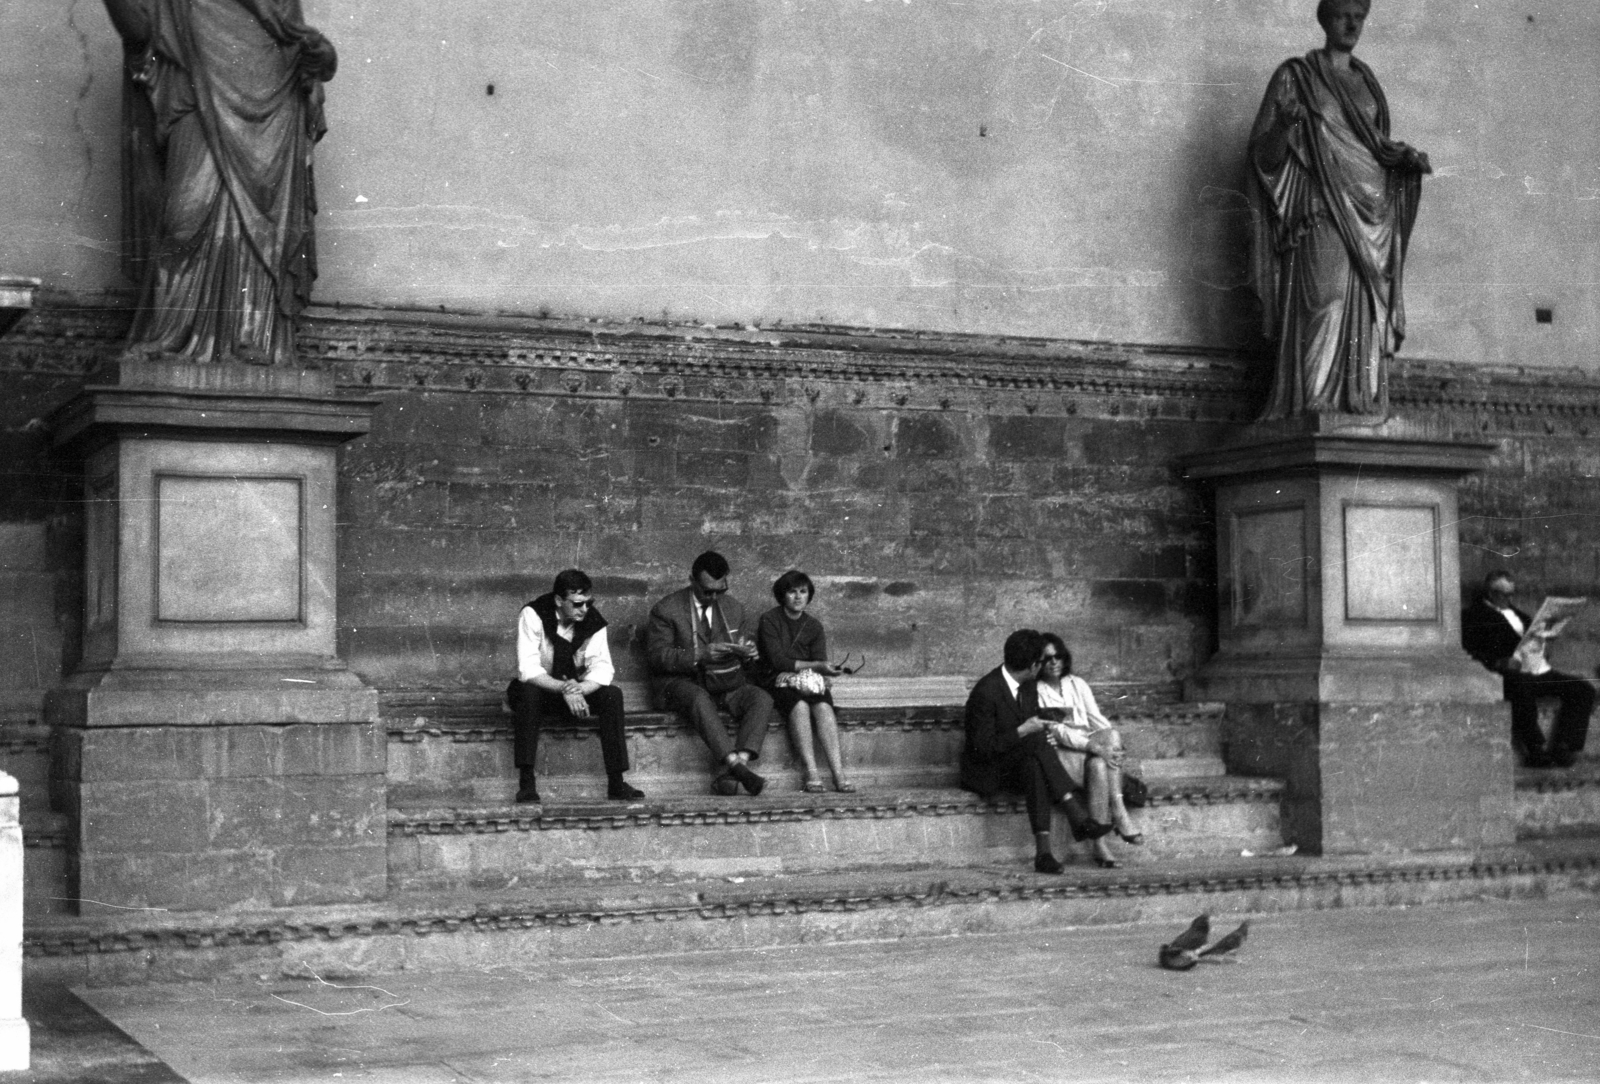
x=1581 y=776
x=478 y=715
x=929 y=802
x=916 y=887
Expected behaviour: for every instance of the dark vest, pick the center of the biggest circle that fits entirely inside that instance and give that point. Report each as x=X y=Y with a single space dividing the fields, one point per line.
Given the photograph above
x=564 y=666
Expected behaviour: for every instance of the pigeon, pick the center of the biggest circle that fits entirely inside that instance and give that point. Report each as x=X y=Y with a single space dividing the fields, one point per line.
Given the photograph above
x=1189 y=947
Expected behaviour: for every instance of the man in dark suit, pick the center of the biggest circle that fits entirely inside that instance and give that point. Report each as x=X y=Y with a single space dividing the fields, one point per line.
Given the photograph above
x=1007 y=748
x=698 y=643
x=1491 y=628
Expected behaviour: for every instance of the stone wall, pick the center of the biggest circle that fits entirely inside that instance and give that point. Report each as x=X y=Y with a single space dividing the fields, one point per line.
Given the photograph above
x=941 y=489
x=1053 y=168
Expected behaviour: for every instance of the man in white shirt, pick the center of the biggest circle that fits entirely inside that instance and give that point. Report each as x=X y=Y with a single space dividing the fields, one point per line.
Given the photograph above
x=1491 y=629
x=564 y=671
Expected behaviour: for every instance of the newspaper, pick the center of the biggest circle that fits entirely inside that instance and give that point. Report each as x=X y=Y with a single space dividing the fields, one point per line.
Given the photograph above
x=1546 y=624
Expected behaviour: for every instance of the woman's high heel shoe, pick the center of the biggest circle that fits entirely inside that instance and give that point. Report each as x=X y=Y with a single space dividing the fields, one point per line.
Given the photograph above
x=1134 y=838
x=1103 y=856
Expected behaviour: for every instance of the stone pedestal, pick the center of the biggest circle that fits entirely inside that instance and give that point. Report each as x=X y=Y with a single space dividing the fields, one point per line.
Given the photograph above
x=1339 y=642
x=211 y=750
x=14 y=1047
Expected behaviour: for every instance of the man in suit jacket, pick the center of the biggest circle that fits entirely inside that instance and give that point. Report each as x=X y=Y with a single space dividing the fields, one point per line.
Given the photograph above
x=1007 y=748
x=698 y=643
x=1491 y=628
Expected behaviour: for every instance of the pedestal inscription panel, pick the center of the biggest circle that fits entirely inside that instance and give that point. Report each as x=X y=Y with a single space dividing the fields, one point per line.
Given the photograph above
x=1391 y=562
x=229 y=549
x=1270 y=567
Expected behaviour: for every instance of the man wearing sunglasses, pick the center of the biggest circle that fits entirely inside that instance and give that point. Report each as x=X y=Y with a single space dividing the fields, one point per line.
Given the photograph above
x=699 y=642
x=564 y=671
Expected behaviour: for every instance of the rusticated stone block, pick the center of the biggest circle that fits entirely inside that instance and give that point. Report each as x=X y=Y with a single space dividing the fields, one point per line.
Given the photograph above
x=837 y=433
x=271 y=815
x=926 y=436
x=1027 y=437
x=1375 y=777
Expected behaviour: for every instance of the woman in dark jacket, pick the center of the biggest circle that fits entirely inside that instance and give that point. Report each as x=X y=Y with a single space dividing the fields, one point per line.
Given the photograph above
x=795 y=651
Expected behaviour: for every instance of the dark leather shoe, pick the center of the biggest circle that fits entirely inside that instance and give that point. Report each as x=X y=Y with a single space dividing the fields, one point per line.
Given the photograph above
x=1540 y=759
x=1046 y=863
x=618 y=790
x=1094 y=830
x=1562 y=758
x=749 y=779
x=725 y=785
x=528 y=796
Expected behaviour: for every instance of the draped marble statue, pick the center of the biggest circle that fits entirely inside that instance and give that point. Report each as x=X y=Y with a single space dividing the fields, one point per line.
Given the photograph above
x=1333 y=199
x=222 y=107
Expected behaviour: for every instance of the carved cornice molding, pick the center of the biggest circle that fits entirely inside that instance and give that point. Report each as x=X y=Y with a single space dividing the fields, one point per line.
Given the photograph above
x=393 y=350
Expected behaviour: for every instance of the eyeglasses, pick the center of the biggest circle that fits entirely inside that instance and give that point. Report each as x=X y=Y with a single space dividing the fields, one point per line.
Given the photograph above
x=578 y=604
x=1048 y=659
x=844 y=667
x=713 y=592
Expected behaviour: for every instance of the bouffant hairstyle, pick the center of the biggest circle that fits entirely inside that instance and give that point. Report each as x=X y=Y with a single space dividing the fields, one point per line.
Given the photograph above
x=789 y=581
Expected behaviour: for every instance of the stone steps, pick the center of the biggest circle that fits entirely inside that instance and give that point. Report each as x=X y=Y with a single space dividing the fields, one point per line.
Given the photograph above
x=1558 y=801
x=537 y=926
x=457 y=749
x=499 y=846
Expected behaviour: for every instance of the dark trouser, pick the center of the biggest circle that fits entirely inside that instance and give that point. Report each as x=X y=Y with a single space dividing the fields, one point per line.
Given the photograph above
x=1033 y=770
x=750 y=707
x=532 y=707
x=1572 y=720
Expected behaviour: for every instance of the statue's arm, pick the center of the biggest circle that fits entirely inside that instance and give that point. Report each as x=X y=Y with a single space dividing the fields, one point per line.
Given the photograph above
x=318 y=59
x=132 y=20
x=1281 y=113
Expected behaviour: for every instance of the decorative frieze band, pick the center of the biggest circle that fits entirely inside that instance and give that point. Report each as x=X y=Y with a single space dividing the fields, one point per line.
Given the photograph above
x=390 y=350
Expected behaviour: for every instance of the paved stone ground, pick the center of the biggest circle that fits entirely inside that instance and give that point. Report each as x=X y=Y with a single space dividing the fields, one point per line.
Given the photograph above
x=1488 y=991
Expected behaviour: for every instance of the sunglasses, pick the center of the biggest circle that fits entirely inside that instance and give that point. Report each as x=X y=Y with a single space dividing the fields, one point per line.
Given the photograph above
x=844 y=667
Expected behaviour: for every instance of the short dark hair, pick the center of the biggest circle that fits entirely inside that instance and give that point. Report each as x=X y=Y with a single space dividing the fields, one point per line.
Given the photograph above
x=789 y=581
x=571 y=581
x=1023 y=649
x=710 y=562
x=1325 y=9
x=1061 y=649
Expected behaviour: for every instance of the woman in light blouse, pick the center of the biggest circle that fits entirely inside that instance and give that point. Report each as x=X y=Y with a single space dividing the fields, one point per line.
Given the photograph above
x=1089 y=746
x=795 y=649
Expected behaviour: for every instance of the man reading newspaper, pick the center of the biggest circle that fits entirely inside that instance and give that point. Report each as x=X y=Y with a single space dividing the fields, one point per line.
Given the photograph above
x=1509 y=642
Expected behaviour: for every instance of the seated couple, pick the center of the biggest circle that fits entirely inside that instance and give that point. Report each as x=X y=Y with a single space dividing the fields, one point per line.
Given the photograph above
x=707 y=656
x=1033 y=728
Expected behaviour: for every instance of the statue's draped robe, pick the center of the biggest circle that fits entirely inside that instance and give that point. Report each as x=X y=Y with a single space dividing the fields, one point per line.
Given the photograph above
x=1332 y=221
x=219 y=126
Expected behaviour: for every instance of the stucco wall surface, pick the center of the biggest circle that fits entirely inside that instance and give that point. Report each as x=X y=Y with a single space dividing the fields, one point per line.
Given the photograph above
x=1052 y=168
